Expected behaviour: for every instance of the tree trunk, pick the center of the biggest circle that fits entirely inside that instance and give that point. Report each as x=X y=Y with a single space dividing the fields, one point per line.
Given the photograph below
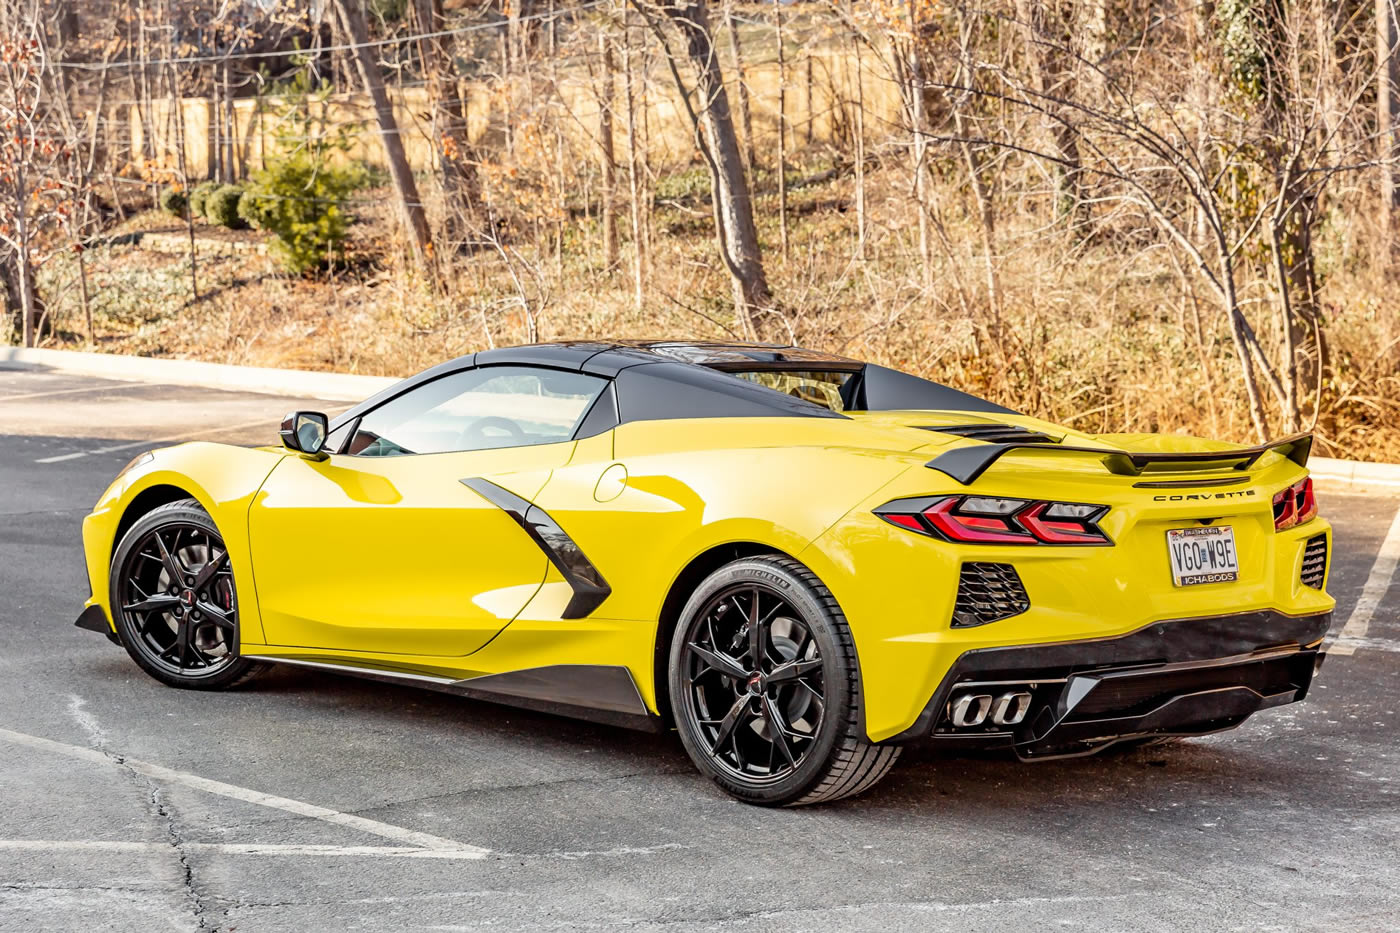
x=921 y=194
x=1387 y=120
x=782 y=130
x=608 y=215
x=415 y=222
x=986 y=209
x=179 y=112
x=1052 y=79
x=742 y=84
x=231 y=172
x=634 y=176
x=456 y=160
x=730 y=195
x=859 y=122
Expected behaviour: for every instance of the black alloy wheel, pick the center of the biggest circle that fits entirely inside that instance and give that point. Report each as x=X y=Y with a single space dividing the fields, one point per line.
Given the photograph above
x=174 y=600
x=764 y=688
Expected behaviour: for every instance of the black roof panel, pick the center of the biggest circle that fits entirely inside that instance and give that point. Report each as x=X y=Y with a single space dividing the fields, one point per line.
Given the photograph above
x=686 y=378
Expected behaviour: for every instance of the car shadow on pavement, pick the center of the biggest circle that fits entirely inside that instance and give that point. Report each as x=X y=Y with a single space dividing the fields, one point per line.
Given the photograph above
x=925 y=777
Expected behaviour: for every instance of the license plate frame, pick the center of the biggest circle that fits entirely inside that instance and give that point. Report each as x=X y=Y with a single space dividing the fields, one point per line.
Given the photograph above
x=1203 y=554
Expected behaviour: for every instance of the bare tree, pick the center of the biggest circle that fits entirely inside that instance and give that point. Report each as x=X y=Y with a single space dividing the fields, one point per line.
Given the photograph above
x=1134 y=143
x=1387 y=116
x=456 y=159
x=36 y=172
x=415 y=221
x=741 y=84
x=707 y=106
x=607 y=156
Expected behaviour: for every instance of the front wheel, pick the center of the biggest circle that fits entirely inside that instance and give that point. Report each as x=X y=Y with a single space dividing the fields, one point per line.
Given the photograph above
x=174 y=602
x=765 y=687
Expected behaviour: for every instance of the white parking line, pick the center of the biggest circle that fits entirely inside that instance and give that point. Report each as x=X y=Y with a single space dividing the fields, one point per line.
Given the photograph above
x=1372 y=593
x=106 y=387
x=398 y=834
x=230 y=848
x=173 y=438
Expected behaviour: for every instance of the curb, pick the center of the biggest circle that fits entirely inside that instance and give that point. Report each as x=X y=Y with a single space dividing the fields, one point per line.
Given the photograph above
x=1356 y=475
x=332 y=387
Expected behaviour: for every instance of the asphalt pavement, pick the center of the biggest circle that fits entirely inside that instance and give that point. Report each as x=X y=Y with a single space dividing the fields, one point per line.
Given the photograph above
x=309 y=802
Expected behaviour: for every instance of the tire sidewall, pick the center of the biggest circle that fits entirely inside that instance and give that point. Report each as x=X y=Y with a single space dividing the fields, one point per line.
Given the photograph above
x=188 y=511
x=821 y=623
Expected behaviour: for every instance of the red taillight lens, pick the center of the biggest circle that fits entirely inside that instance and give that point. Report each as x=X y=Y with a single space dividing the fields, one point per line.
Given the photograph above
x=988 y=520
x=1294 y=505
x=1042 y=521
x=976 y=529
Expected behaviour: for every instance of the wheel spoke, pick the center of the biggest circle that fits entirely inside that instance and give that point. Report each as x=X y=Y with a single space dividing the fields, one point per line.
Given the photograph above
x=215 y=615
x=172 y=564
x=729 y=723
x=207 y=572
x=158 y=602
x=778 y=727
x=182 y=642
x=720 y=662
x=757 y=654
x=794 y=670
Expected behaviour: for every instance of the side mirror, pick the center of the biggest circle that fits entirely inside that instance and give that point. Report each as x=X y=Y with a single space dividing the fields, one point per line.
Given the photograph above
x=305 y=432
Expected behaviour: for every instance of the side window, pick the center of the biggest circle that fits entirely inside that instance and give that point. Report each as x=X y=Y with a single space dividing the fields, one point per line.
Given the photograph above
x=479 y=409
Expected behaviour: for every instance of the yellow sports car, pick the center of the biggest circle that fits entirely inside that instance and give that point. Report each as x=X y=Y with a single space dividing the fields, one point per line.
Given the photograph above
x=798 y=561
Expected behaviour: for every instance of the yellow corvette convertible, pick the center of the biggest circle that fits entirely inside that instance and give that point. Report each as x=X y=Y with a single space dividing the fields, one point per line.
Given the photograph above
x=799 y=561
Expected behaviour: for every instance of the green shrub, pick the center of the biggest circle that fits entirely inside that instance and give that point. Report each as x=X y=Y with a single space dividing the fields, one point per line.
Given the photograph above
x=174 y=202
x=199 y=196
x=222 y=207
x=302 y=205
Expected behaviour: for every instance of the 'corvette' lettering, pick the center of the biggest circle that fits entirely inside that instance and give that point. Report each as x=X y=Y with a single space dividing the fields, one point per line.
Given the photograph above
x=1196 y=496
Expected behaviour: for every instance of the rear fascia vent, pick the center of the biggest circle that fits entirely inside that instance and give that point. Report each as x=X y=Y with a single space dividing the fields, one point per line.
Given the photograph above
x=988 y=592
x=1314 y=572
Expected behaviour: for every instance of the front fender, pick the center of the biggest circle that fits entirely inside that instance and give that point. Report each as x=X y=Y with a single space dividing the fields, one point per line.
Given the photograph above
x=222 y=478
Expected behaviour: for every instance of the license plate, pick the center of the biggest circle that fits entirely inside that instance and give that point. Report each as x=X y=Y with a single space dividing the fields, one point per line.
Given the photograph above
x=1203 y=555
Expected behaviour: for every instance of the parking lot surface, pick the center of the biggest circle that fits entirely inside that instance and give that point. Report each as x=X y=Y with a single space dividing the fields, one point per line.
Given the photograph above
x=312 y=802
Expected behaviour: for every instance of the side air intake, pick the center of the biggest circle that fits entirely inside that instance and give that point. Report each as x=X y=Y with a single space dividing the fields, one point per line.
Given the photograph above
x=995 y=433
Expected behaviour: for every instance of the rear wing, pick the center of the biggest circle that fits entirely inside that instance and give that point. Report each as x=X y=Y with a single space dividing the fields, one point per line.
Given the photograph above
x=966 y=464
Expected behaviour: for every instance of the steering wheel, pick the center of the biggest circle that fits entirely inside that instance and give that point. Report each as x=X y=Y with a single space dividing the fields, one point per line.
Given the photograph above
x=475 y=433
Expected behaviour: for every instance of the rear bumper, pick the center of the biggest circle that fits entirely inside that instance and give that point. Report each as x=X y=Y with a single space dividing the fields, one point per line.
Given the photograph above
x=1182 y=677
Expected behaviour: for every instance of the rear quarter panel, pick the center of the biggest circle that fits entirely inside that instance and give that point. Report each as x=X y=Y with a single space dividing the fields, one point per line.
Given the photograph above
x=689 y=486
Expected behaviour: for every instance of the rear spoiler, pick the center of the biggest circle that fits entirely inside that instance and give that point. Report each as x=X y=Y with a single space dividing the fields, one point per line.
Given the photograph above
x=965 y=464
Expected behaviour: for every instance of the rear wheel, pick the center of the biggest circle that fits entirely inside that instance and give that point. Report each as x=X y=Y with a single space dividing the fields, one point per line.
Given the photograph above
x=174 y=602
x=765 y=688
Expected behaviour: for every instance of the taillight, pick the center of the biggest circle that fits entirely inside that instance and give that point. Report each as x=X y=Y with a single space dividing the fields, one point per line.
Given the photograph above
x=1295 y=505
x=992 y=520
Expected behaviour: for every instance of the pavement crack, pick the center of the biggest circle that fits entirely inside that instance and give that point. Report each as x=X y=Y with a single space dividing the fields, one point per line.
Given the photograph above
x=177 y=843
x=156 y=806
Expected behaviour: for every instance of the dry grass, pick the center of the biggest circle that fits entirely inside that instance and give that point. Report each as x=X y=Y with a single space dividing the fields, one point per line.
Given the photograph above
x=1093 y=334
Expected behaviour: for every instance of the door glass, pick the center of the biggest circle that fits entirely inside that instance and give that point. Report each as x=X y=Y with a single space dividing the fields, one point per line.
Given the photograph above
x=479 y=409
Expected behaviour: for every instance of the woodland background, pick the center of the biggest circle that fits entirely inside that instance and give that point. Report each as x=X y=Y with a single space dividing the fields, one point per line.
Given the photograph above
x=1123 y=215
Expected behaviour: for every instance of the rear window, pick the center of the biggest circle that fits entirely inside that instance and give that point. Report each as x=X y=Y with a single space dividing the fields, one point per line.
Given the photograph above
x=827 y=388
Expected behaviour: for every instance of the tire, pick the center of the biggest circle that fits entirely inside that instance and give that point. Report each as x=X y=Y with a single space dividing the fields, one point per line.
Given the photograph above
x=786 y=731
x=183 y=632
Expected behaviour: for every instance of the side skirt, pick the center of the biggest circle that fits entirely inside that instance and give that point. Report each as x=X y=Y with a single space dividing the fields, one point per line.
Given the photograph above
x=595 y=692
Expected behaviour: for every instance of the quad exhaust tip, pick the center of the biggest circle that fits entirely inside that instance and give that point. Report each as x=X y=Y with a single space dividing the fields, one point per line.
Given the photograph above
x=973 y=709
